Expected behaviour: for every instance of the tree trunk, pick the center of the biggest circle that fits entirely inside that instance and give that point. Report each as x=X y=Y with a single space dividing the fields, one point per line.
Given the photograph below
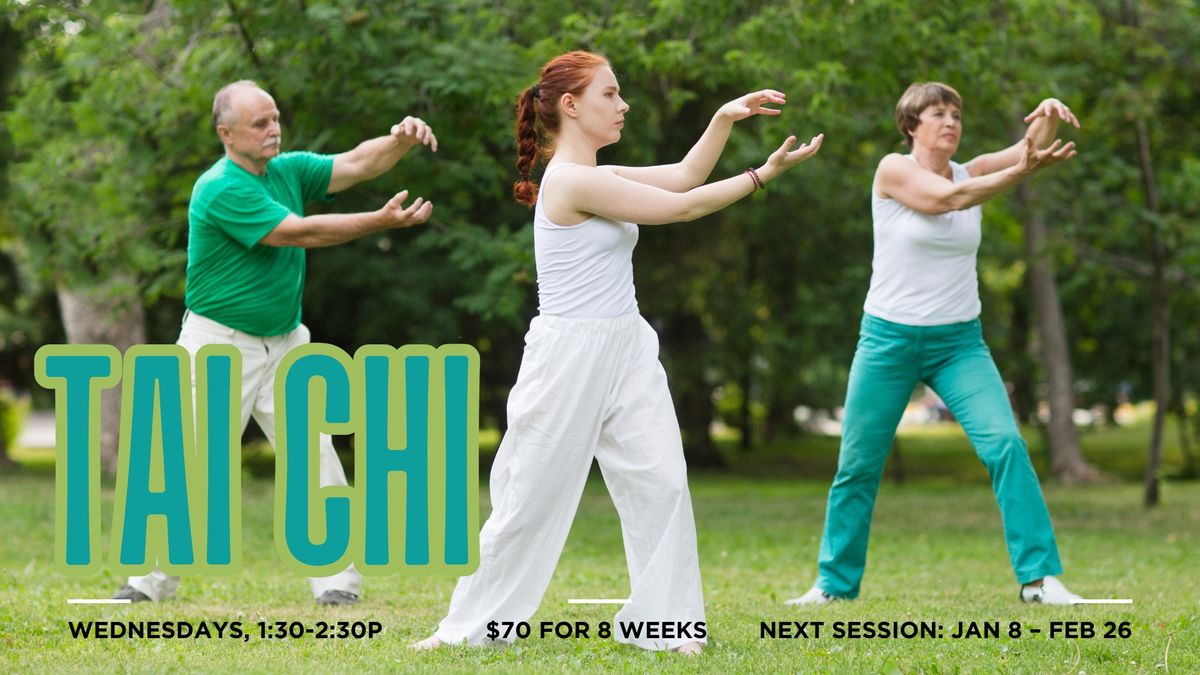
x=1066 y=459
x=1162 y=320
x=1162 y=375
x=780 y=419
x=110 y=312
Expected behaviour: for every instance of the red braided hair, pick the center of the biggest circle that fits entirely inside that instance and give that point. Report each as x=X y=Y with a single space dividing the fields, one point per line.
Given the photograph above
x=568 y=73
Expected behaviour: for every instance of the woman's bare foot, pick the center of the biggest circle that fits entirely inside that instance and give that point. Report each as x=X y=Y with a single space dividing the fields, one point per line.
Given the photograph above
x=689 y=648
x=431 y=642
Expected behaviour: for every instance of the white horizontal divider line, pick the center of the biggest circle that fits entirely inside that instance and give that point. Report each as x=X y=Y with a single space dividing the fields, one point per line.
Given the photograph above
x=1108 y=601
x=598 y=601
x=98 y=601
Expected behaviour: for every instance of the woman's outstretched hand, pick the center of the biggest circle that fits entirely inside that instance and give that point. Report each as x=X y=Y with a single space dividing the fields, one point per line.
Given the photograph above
x=753 y=103
x=1034 y=160
x=784 y=158
x=1053 y=107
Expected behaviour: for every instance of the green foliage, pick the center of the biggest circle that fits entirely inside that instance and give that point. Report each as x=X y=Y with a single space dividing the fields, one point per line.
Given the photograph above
x=13 y=410
x=109 y=126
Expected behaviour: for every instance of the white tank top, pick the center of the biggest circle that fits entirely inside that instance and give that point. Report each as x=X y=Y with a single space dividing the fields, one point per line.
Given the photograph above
x=923 y=272
x=584 y=271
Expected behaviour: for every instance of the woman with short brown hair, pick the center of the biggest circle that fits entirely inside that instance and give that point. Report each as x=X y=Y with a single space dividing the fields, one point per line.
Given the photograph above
x=921 y=324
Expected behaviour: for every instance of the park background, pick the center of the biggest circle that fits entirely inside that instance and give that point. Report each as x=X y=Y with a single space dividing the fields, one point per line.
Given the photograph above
x=1088 y=273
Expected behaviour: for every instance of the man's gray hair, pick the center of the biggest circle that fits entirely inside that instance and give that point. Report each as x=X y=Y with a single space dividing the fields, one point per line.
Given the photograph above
x=222 y=103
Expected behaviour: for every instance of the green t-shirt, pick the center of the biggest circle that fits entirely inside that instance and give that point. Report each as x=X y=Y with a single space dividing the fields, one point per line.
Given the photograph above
x=231 y=278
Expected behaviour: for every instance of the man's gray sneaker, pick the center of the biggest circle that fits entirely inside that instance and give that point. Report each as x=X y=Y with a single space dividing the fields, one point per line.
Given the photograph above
x=337 y=598
x=130 y=593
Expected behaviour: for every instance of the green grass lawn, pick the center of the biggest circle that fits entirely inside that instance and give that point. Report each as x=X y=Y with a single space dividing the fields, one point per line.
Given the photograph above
x=937 y=554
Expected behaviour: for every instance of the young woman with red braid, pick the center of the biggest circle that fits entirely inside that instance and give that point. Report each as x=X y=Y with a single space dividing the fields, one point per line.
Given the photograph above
x=590 y=382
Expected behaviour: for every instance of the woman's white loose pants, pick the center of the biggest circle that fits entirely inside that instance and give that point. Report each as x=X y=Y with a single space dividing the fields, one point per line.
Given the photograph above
x=586 y=388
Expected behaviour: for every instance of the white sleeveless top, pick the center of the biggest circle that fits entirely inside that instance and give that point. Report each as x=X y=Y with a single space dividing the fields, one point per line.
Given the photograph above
x=584 y=271
x=923 y=272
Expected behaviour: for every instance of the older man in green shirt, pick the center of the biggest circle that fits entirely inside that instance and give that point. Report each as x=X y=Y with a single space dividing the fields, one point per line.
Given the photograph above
x=247 y=235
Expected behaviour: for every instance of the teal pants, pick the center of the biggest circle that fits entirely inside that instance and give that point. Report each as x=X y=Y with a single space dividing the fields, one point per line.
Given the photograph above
x=953 y=360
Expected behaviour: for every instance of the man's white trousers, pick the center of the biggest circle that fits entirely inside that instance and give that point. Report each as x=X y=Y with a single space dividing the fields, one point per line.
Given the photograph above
x=586 y=388
x=260 y=359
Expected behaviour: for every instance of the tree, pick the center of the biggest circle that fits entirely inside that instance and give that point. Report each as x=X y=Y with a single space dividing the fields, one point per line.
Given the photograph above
x=95 y=202
x=109 y=126
x=1149 y=52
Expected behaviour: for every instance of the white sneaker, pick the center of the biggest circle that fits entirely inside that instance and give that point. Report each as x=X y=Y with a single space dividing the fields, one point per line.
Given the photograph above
x=1050 y=592
x=814 y=596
